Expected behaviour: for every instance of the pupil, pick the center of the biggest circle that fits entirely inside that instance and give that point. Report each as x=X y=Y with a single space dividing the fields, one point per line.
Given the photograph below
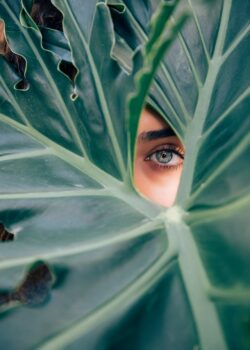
x=164 y=156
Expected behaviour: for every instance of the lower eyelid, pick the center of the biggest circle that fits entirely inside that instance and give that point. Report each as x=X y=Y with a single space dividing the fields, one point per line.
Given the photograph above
x=165 y=167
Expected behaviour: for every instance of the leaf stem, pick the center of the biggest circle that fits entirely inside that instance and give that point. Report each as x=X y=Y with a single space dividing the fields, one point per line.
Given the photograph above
x=196 y=283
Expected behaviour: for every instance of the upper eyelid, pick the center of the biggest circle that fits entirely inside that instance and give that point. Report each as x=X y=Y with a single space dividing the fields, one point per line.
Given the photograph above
x=168 y=146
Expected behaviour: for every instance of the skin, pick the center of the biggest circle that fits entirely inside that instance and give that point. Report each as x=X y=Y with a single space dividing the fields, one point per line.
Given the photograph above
x=158 y=160
x=2 y=38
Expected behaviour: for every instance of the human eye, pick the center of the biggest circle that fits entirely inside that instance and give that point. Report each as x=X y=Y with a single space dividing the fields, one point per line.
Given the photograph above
x=167 y=157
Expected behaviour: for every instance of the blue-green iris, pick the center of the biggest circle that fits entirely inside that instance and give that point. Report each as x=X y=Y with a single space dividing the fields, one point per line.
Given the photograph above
x=164 y=156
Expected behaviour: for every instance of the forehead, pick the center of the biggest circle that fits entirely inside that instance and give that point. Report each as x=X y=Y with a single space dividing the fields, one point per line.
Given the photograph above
x=150 y=121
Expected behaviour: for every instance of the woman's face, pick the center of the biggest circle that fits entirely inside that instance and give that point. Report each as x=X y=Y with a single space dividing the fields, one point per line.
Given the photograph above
x=159 y=159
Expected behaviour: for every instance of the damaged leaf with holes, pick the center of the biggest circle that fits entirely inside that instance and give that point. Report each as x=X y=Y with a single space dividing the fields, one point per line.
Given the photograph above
x=92 y=264
x=5 y=235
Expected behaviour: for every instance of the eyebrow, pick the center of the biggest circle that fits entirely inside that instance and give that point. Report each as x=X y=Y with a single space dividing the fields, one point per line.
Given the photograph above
x=155 y=134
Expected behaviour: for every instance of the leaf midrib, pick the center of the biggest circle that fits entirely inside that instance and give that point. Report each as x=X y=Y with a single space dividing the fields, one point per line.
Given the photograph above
x=190 y=262
x=196 y=284
x=86 y=246
x=195 y=129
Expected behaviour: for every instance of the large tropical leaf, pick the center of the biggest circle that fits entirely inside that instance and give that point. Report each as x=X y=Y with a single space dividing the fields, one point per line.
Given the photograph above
x=113 y=270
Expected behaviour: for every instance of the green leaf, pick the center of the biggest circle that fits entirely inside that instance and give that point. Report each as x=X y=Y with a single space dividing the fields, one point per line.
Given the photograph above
x=127 y=274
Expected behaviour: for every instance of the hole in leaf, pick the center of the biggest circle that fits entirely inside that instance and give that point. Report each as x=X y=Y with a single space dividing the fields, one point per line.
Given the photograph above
x=74 y=96
x=5 y=235
x=46 y=15
x=158 y=160
x=34 y=290
x=22 y=85
x=69 y=69
x=15 y=60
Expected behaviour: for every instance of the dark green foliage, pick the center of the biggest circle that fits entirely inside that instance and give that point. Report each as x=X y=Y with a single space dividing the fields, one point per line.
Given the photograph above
x=122 y=273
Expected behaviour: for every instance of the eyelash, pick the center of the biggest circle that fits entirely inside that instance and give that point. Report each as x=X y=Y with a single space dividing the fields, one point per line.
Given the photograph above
x=172 y=149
